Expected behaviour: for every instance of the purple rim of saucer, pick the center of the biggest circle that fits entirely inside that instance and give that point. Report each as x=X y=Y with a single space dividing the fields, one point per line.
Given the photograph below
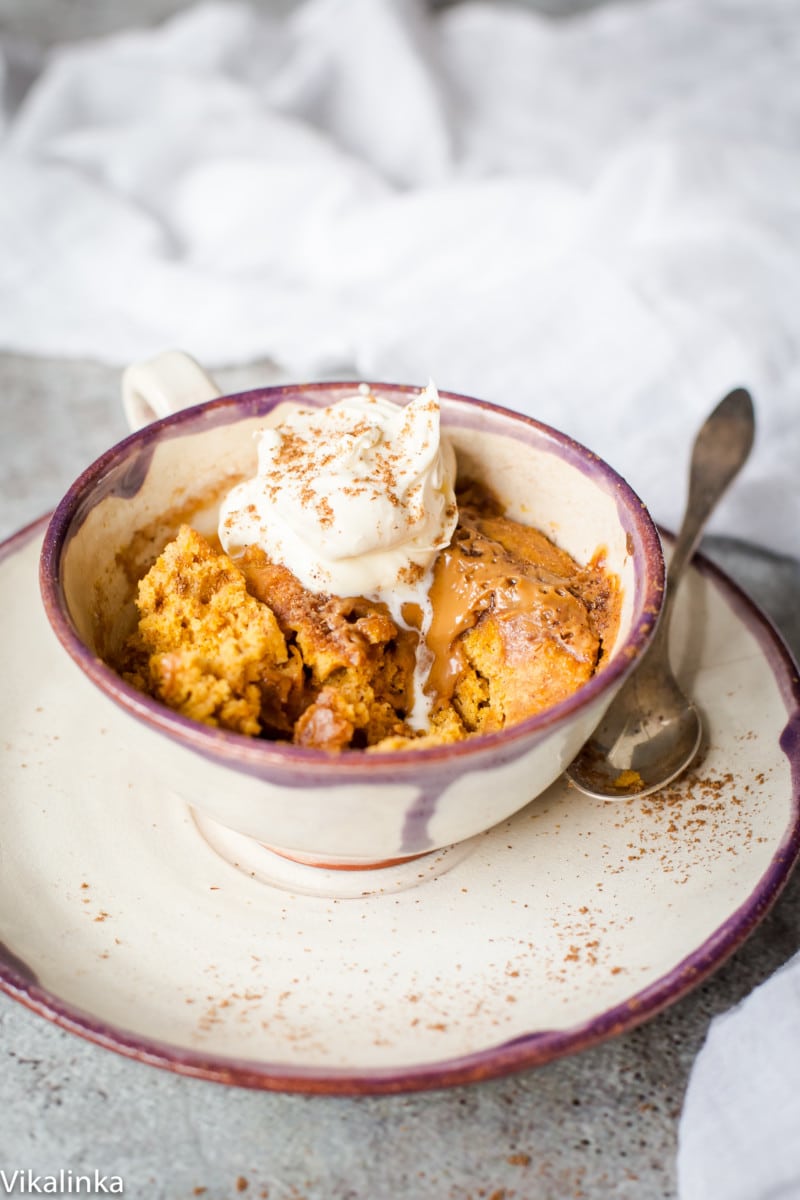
x=276 y=761
x=522 y=1052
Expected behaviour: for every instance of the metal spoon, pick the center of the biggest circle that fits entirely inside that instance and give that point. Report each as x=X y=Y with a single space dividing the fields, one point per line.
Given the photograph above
x=652 y=732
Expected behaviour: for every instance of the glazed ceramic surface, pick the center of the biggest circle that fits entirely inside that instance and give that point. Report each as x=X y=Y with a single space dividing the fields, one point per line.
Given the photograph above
x=124 y=509
x=133 y=920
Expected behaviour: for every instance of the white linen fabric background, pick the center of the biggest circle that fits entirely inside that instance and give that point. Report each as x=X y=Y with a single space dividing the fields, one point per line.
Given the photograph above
x=739 y=1125
x=595 y=221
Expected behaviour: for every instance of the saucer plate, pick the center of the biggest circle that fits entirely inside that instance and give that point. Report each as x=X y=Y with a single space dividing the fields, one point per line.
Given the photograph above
x=126 y=918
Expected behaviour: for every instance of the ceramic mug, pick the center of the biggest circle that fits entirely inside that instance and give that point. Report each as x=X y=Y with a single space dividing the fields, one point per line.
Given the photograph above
x=353 y=809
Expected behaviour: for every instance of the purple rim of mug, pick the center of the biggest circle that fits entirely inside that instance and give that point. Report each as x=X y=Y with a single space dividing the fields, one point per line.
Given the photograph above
x=271 y=760
x=522 y=1052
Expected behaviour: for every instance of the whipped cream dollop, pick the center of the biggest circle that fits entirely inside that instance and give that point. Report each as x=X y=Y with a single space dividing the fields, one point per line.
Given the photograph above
x=356 y=500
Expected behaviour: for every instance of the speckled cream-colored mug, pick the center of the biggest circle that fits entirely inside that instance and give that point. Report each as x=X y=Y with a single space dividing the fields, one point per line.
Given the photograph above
x=353 y=809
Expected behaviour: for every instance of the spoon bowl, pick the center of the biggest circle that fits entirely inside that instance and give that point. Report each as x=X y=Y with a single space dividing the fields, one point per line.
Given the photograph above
x=652 y=732
x=647 y=739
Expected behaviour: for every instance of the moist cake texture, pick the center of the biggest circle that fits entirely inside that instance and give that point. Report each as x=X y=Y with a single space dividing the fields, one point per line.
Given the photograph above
x=239 y=643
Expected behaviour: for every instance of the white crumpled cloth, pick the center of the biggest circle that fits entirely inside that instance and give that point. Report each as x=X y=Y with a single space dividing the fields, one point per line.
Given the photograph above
x=594 y=220
x=740 y=1125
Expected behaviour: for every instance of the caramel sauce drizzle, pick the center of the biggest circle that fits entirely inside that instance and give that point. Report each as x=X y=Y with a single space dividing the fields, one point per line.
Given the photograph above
x=475 y=575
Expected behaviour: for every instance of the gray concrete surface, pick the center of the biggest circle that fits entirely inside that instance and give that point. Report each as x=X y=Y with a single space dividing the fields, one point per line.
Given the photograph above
x=601 y=1124
x=598 y=1125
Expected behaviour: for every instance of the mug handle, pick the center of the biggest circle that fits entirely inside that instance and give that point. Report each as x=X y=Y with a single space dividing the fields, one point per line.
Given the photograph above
x=163 y=385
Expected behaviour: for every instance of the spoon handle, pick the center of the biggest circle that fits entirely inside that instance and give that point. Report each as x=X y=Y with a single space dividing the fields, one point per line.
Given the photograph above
x=720 y=450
